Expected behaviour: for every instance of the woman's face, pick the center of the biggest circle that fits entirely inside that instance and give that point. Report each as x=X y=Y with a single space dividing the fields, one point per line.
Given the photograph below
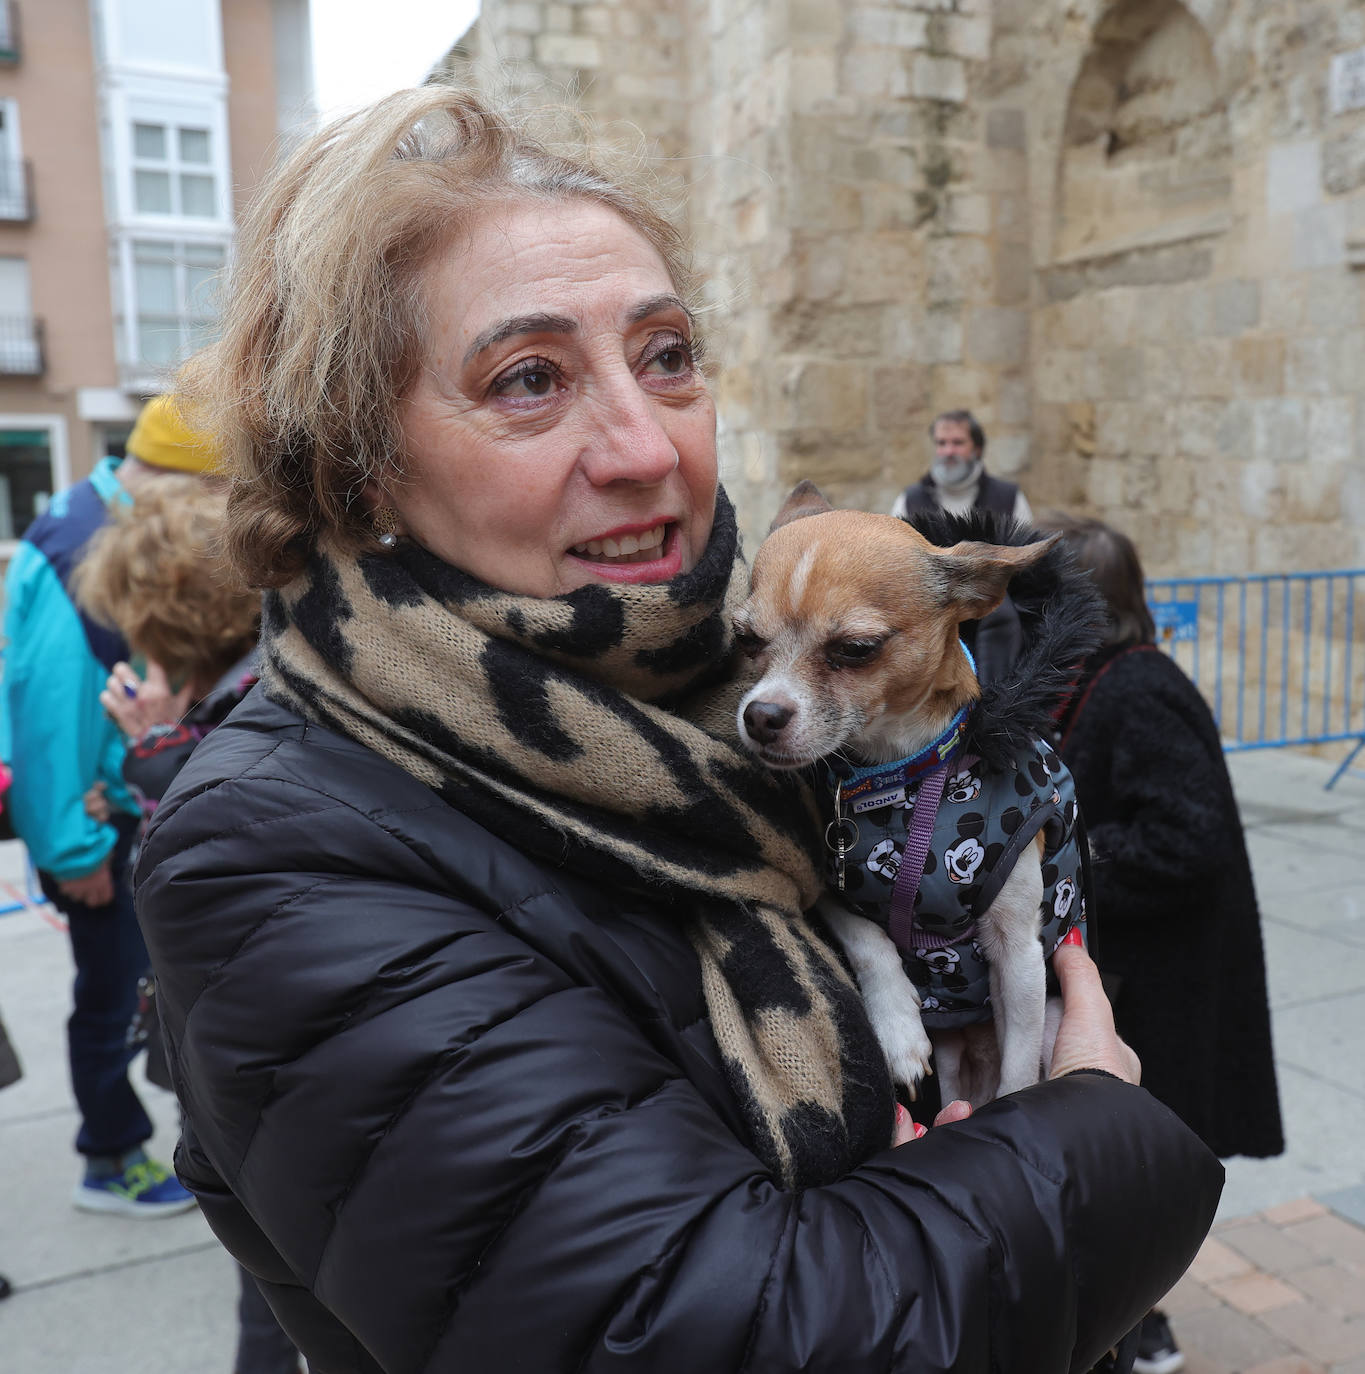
x=559 y=433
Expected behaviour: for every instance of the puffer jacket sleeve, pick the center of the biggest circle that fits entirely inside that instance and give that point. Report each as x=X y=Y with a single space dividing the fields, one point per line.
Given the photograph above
x=473 y=1162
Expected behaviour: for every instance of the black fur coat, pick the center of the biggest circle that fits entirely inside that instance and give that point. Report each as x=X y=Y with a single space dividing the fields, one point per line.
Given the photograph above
x=1172 y=885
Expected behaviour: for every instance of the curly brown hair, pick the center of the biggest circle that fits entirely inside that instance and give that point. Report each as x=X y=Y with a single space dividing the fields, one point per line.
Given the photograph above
x=156 y=574
x=324 y=327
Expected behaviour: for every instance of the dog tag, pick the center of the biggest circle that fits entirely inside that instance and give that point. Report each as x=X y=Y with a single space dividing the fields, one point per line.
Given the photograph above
x=841 y=836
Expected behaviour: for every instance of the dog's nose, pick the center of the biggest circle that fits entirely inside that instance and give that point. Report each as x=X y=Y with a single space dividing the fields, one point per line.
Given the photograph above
x=764 y=720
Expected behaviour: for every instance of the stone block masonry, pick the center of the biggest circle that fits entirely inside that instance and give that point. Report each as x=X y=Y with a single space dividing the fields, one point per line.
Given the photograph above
x=1126 y=234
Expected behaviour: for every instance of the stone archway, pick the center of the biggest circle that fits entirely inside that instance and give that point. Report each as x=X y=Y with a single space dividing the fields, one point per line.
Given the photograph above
x=1133 y=339
x=1146 y=151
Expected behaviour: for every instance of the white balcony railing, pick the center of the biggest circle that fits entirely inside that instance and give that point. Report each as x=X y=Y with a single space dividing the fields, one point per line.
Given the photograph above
x=21 y=346
x=16 y=189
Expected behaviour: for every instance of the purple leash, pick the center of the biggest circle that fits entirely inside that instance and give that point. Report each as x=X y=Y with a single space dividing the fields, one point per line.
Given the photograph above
x=918 y=834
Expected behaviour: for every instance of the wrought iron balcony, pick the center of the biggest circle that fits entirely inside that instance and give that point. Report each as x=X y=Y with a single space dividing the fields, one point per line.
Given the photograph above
x=16 y=189
x=10 y=44
x=21 y=346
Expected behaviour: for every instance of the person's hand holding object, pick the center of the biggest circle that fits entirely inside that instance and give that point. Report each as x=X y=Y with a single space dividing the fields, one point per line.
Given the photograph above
x=137 y=705
x=1086 y=1038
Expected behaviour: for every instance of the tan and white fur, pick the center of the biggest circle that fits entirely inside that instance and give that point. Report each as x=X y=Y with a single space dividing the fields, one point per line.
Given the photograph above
x=854 y=620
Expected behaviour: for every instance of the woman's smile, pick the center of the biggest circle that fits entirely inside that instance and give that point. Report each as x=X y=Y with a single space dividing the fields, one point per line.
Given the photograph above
x=562 y=432
x=633 y=553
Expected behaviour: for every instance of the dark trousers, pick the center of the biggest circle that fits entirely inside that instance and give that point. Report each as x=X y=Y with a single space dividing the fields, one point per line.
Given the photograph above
x=110 y=957
x=262 y=1347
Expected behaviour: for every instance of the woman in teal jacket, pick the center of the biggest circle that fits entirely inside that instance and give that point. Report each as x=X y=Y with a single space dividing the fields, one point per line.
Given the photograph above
x=59 y=743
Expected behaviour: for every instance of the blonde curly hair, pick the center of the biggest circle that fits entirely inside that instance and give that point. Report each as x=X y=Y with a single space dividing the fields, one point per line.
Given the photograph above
x=156 y=574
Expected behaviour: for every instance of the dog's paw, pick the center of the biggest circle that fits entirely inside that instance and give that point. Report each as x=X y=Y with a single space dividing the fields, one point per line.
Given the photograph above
x=907 y=1051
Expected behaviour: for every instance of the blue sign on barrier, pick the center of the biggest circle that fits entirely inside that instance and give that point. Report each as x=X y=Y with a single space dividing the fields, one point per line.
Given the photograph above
x=1176 y=621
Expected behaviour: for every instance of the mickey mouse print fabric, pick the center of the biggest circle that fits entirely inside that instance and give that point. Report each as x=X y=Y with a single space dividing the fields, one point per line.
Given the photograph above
x=985 y=820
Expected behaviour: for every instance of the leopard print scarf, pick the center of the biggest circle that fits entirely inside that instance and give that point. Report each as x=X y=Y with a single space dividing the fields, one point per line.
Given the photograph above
x=596 y=730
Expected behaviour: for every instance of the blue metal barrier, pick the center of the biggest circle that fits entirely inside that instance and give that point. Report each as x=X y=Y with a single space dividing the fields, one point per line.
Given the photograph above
x=1275 y=655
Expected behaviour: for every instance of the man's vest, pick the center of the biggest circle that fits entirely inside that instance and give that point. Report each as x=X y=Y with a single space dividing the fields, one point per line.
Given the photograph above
x=984 y=822
x=993 y=494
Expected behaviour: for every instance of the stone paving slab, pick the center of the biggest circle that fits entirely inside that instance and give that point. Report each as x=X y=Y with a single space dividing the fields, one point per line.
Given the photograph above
x=35 y=1251
x=1278 y=1292
x=1337 y=964
x=156 y=1315
x=1348 y=1203
x=1325 y=836
x=1321 y=1036
x=1286 y=869
x=1324 y=1126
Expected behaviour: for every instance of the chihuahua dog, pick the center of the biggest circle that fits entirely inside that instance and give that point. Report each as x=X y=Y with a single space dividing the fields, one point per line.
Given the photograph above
x=854 y=621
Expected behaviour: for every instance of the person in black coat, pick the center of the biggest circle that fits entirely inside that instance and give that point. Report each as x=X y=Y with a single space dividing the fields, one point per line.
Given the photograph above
x=1180 y=946
x=503 y=1034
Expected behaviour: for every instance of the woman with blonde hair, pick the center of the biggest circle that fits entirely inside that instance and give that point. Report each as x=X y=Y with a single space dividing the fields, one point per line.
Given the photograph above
x=155 y=574
x=502 y=1033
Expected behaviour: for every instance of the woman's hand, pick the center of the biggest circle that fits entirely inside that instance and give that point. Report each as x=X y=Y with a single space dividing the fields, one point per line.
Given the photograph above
x=907 y=1129
x=1086 y=1038
x=136 y=704
x=96 y=803
x=95 y=889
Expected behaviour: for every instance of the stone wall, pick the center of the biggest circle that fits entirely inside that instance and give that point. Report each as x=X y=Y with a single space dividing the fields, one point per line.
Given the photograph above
x=860 y=193
x=618 y=60
x=1198 y=360
x=1118 y=232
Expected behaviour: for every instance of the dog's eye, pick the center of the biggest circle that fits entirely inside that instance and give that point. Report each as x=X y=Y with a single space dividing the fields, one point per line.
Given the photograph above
x=748 y=643
x=852 y=653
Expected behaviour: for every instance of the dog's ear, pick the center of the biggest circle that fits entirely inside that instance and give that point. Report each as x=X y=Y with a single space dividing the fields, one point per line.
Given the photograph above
x=805 y=499
x=976 y=576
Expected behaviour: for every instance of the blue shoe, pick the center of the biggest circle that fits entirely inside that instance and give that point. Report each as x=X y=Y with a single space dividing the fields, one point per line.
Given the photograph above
x=140 y=1187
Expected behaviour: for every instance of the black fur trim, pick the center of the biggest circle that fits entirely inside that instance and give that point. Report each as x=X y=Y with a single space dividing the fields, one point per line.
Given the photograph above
x=1063 y=619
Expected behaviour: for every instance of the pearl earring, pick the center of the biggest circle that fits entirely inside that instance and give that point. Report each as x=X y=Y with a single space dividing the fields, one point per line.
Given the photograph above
x=384 y=522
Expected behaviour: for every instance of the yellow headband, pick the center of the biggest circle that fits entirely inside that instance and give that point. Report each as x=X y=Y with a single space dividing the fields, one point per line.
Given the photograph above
x=162 y=439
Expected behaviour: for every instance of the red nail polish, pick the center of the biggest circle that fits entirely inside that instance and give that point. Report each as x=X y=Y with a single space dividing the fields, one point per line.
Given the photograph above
x=901 y=1113
x=1074 y=937
x=920 y=1131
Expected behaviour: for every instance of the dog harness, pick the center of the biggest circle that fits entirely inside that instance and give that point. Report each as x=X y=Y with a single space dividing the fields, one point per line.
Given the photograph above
x=923 y=846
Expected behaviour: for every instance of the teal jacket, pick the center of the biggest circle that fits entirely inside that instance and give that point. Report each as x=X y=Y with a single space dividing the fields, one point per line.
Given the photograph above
x=54 y=734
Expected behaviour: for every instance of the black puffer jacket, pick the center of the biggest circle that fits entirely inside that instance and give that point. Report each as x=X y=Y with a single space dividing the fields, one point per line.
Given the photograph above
x=465 y=1113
